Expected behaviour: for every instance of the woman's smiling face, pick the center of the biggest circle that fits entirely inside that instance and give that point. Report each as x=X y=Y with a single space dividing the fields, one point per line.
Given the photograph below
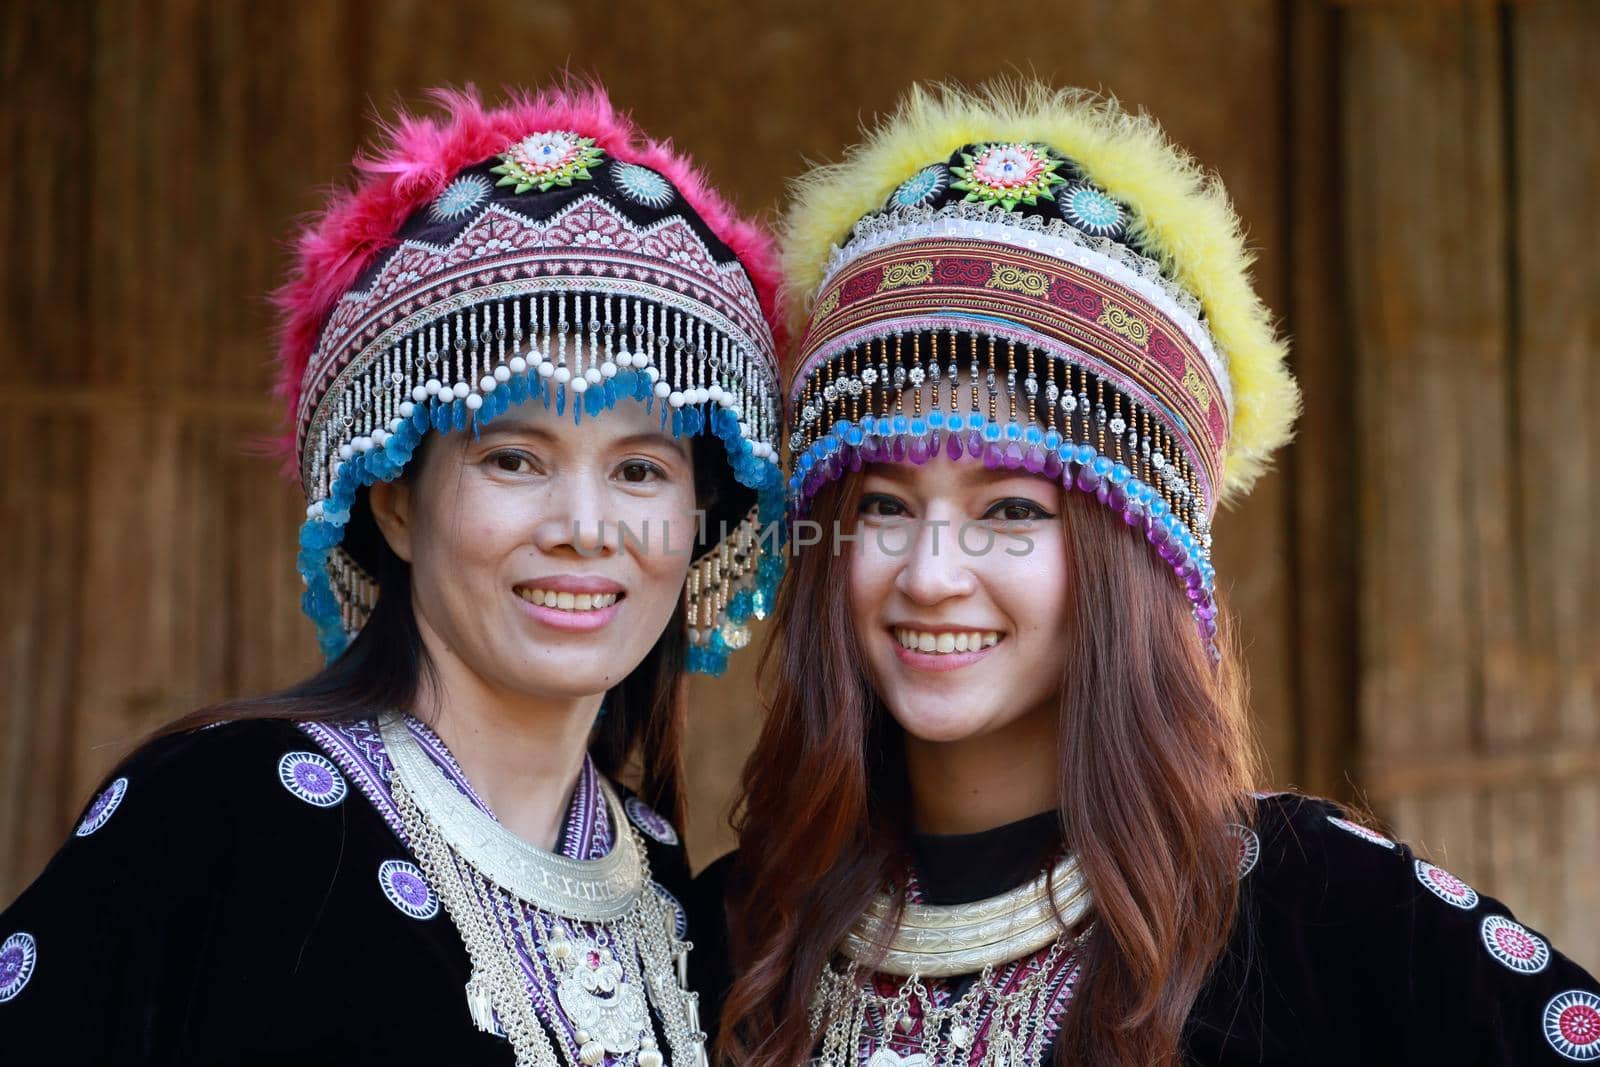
x=959 y=591
x=548 y=557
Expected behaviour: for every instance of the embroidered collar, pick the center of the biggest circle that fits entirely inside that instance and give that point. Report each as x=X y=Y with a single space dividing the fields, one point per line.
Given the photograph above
x=358 y=749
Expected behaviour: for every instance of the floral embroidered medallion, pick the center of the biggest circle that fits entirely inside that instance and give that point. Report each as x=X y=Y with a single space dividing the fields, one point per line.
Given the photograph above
x=646 y=819
x=104 y=806
x=17 y=957
x=407 y=889
x=1091 y=210
x=312 y=777
x=1446 y=886
x=543 y=161
x=1008 y=174
x=460 y=197
x=1361 y=831
x=1249 y=849
x=923 y=187
x=641 y=185
x=1572 y=1025
x=1514 y=944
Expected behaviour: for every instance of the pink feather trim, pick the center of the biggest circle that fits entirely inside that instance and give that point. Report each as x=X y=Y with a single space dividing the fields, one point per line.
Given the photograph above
x=416 y=158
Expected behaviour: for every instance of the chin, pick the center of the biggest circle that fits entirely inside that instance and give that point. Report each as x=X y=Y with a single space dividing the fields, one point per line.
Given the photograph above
x=941 y=725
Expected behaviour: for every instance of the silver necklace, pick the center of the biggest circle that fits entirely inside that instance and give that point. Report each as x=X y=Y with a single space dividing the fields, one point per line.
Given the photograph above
x=1020 y=948
x=578 y=945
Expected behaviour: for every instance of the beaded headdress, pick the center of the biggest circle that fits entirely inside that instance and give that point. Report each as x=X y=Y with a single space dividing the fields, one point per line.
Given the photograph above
x=1077 y=272
x=542 y=251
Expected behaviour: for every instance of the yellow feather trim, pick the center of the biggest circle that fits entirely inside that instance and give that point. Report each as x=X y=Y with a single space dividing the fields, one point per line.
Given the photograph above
x=1181 y=214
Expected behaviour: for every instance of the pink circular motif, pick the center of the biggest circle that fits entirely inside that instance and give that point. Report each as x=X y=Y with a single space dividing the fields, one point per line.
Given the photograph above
x=1361 y=831
x=1514 y=944
x=1572 y=1025
x=1446 y=886
x=1008 y=166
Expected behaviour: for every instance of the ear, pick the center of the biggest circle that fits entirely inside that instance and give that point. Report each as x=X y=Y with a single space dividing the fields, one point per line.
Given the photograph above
x=391 y=510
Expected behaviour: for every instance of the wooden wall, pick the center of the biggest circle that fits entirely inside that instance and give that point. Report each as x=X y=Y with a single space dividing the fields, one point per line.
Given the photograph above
x=1419 y=581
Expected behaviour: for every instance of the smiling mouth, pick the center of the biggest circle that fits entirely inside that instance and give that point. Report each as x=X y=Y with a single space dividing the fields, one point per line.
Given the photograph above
x=573 y=602
x=945 y=643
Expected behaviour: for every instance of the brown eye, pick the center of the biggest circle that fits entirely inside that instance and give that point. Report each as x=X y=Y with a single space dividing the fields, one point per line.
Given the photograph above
x=1017 y=510
x=881 y=506
x=510 y=462
x=638 y=471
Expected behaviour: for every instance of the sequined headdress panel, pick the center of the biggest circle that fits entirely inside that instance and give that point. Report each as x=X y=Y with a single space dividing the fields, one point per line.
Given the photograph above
x=1039 y=280
x=543 y=251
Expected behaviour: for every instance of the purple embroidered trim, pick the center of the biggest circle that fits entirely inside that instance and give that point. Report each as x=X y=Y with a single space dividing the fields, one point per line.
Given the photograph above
x=357 y=748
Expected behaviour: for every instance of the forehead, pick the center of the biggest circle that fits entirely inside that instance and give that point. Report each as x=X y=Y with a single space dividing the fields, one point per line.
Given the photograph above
x=627 y=423
x=941 y=474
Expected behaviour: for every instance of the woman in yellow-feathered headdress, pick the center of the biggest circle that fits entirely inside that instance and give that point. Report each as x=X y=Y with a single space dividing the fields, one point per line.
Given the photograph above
x=1001 y=808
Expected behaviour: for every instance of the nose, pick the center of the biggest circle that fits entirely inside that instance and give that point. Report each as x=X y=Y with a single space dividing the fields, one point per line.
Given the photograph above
x=572 y=519
x=933 y=567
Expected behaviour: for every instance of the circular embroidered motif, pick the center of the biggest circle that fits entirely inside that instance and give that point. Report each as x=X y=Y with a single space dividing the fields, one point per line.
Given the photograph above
x=641 y=185
x=1092 y=211
x=1361 y=831
x=312 y=778
x=1514 y=944
x=923 y=187
x=460 y=197
x=17 y=957
x=104 y=806
x=1249 y=848
x=680 y=918
x=543 y=161
x=1007 y=174
x=647 y=820
x=1572 y=1025
x=1446 y=886
x=407 y=889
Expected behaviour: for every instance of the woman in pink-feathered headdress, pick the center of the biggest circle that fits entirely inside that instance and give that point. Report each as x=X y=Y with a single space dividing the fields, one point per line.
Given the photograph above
x=529 y=364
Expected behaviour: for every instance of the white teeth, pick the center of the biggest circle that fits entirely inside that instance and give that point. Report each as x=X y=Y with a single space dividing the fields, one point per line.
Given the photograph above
x=567 y=601
x=945 y=642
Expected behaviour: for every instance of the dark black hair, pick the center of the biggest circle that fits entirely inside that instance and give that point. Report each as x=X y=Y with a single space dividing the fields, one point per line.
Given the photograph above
x=387 y=666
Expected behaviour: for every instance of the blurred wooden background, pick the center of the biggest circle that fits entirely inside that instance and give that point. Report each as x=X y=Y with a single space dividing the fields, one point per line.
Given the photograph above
x=1420 y=582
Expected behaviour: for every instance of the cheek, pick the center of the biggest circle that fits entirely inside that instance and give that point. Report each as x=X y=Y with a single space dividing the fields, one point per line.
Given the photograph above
x=871 y=576
x=1034 y=588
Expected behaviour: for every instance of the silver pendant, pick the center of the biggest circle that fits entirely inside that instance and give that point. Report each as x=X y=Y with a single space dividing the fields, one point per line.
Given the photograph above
x=888 y=1057
x=597 y=998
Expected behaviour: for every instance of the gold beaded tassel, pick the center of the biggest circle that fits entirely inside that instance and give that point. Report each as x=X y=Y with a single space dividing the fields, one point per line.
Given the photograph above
x=914 y=378
x=1011 y=379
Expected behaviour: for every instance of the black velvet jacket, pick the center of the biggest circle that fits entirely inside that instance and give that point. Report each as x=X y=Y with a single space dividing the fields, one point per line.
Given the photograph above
x=1348 y=950
x=215 y=915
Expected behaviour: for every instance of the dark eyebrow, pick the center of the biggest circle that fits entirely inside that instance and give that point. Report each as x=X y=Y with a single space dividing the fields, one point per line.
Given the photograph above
x=677 y=444
x=525 y=428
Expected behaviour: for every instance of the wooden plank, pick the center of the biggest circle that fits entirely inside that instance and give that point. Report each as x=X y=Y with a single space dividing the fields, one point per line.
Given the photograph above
x=1554 y=155
x=1425 y=190
x=1323 y=478
x=44 y=280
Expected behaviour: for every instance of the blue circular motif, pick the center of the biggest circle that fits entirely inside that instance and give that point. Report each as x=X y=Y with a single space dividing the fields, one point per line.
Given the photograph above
x=104 y=806
x=923 y=186
x=680 y=918
x=407 y=889
x=460 y=197
x=646 y=819
x=641 y=185
x=1092 y=211
x=312 y=778
x=17 y=957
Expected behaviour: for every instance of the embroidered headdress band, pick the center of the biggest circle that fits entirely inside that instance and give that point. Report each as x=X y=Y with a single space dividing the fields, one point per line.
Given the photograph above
x=1039 y=280
x=541 y=251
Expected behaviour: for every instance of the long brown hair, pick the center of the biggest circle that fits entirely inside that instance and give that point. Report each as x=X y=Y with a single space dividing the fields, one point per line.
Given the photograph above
x=1155 y=757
